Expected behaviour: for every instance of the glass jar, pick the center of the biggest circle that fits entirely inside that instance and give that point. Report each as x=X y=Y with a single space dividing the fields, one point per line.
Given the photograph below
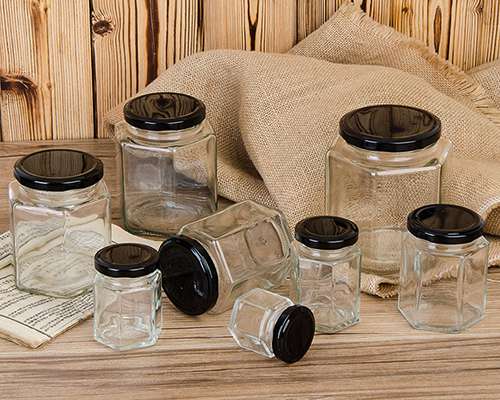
x=272 y=325
x=168 y=159
x=329 y=272
x=60 y=216
x=445 y=265
x=214 y=260
x=127 y=296
x=386 y=163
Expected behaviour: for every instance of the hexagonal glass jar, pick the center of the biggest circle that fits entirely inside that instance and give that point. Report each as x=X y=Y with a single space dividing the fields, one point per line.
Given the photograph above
x=60 y=217
x=445 y=264
x=168 y=163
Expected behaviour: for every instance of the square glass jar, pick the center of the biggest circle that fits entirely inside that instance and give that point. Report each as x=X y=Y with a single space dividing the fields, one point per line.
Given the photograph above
x=217 y=258
x=60 y=216
x=445 y=263
x=386 y=163
x=168 y=163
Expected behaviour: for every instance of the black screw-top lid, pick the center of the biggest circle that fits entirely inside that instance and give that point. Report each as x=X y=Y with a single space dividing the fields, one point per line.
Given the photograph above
x=391 y=128
x=126 y=260
x=445 y=224
x=164 y=111
x=189 y=276
x=326 y=232
x=58 y=170
x=293 y=333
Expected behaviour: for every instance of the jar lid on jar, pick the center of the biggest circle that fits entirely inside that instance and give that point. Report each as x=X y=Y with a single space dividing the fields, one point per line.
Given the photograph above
x=390 y=128
x=164 y=111
x=326 y=232
x=189 y=275
x=126 y=260
x=445 y=224
x=58 y=170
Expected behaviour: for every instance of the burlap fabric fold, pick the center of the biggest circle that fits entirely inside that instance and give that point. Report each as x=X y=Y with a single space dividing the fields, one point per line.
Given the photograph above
x=488 y=76
x=276 y=116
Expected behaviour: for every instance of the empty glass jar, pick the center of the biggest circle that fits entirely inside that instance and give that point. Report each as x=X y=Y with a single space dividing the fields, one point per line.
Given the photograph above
x=168 y=158
x=60 y=216
x=272 y=325
x=127 y=296
x=386 y=163
x=445 y=262
x=329 y=272
x=214 y=260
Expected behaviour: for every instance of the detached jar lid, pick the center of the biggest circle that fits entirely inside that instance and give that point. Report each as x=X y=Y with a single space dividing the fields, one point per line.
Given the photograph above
x=293 y=333
x=391 y=128
x=58 y=170
x=189 y=276
x=164 y=111
x=126 y=260
x=326 y=232
x=445 y=224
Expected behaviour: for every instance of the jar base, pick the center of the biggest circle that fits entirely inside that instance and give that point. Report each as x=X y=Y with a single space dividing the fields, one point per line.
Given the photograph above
x=322 y=328
x=125 y=334
x=381 y=250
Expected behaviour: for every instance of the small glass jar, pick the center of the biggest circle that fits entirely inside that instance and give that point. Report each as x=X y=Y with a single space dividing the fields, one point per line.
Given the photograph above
x=445 y=265
x=329 y=272
x=272 y=325
x=60 y=216
x=386 y=163
x=214 y=260
x=127 y=296
x=168 y=159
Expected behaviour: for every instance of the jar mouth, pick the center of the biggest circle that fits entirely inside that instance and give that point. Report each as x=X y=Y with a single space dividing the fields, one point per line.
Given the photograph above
x=126 y=260
x=326 y=232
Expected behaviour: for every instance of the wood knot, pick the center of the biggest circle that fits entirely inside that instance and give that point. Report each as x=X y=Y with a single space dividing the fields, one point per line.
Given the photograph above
x=103 y=27
x=17 y=83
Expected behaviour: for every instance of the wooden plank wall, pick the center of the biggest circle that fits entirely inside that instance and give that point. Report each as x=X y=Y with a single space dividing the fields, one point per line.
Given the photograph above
x=64 y=64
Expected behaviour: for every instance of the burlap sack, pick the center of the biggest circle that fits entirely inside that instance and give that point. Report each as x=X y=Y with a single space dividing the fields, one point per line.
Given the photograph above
x=488 y=76
x=276 y=116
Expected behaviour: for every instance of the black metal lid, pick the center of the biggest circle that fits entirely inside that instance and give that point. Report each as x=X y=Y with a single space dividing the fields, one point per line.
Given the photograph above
x=189 y=276
x=164 y=111
x=126 y=260
x=326 y=232
x=293 y=333
x=445 y=224
x=58 y=170
x=391 y=128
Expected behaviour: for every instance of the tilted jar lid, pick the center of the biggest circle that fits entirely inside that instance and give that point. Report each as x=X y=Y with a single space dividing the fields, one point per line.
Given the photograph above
x=164 y=111
x=58 y=170
x=126 y=260
x=326 y=232
x=445 y=224
x=390 y=128
x=189 y=275
x=293 y=333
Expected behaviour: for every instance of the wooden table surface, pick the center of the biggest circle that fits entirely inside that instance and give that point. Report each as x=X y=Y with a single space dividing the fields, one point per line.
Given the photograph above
x=380 y=358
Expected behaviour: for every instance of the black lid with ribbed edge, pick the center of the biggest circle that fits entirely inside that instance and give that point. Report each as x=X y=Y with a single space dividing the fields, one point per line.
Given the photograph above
x=390 y=128
x=189 y=275
x=164 y=111
x=445 y=224
x=58 y=170
x=293 y=333
x=126 y=260
x=326 y=232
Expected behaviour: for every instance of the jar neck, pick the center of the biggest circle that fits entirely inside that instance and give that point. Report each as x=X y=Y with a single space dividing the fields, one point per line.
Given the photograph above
x=128 y=283
x=318 y=254
x=60 y=199
x=452 y=249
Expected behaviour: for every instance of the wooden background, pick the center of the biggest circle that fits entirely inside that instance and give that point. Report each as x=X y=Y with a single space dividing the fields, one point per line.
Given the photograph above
x=65 y=63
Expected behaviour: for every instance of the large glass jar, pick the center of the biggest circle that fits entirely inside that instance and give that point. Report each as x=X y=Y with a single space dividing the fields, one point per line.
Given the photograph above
x=168 y=158
x=214 y=260
x=60 y=216
x=272 y=325
x=445 y=265
x=386 y=163
x=329 y=272
x=127 y=296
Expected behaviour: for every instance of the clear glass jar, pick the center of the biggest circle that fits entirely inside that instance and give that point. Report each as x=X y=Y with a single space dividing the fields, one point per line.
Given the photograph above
x=60 y=216
x=215 y=259
x=329 y=272
x=272 y=325
x=445 y=265
x=168 y=159
x=386 y=163
x=127 y=296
